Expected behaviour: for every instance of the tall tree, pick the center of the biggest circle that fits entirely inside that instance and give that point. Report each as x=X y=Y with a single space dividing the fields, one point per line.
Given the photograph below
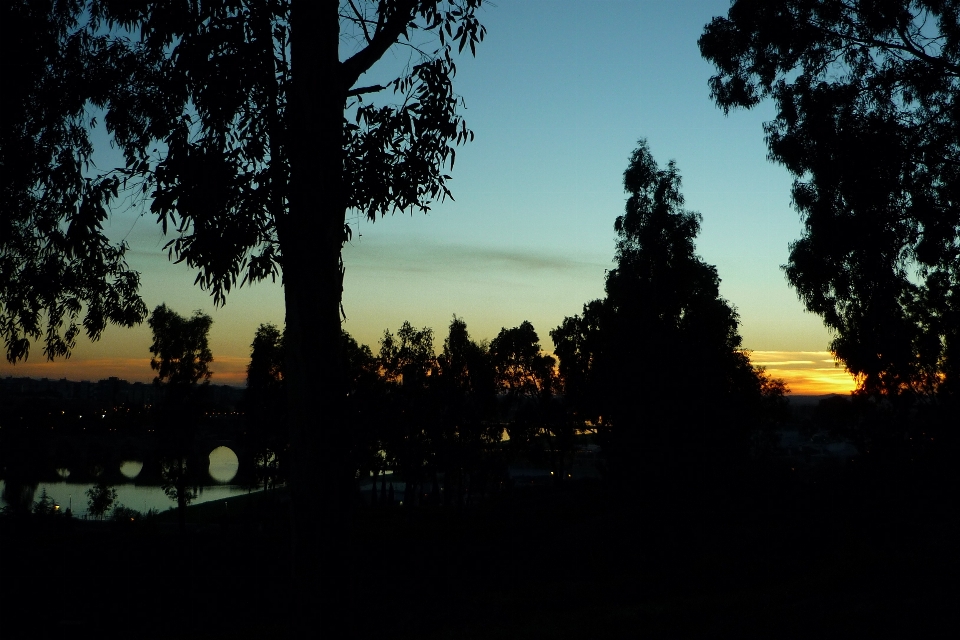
x=409 y=365
x=253 y=126
x=659 y=359
x=265 y=403
x=525 y=375
x=180 y=349
x=521 y=366
x=467 y=428
x=181 y=358
x=866 y=96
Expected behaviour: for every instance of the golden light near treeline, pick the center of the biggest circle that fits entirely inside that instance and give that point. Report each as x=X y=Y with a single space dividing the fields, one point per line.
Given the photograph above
x=806 y=372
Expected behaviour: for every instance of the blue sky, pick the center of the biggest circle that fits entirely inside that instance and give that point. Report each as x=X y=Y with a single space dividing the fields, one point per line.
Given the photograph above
x=558 y=95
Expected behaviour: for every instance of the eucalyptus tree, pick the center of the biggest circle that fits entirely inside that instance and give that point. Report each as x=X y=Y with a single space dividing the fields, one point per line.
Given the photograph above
x=181 y=358
x=468 y=428
x=866 y=97
x=659 y=360
x=264 y=401
x=250 y=128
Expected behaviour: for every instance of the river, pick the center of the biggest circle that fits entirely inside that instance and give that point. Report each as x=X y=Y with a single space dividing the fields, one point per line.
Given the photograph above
x=141 y=497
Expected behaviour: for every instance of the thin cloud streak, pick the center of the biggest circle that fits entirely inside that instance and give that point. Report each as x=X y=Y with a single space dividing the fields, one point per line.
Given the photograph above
x=419 y=256
x=805 y=376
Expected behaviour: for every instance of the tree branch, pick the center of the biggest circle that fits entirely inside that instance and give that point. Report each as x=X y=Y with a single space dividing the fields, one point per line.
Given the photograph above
x=908 y=46
x=362 y=90
x=385 y=37
x=361 y=20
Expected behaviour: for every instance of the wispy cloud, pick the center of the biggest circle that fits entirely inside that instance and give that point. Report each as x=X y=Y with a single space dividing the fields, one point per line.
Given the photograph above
x=804 y=372
x=416 y=255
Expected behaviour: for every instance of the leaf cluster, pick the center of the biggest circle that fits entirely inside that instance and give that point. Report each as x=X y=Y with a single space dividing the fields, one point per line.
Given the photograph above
x=100 y=498
x=197 y=97
x=59 y=271
x=867 y=110
x=181 y=352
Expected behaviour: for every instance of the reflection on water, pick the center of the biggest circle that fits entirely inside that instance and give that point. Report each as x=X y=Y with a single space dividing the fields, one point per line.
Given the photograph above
x=223 y=464
x=223 y=468
x=131 y=468
x=141 y=498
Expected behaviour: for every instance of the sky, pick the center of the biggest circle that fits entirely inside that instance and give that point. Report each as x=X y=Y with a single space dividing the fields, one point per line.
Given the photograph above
x=558 y=95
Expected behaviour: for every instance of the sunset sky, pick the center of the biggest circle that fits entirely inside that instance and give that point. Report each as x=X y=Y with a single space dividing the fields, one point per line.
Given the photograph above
x=558 y=95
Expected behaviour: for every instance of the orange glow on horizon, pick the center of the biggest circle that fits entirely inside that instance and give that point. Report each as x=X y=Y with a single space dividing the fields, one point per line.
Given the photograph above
x=226 y=370
x=806 y=372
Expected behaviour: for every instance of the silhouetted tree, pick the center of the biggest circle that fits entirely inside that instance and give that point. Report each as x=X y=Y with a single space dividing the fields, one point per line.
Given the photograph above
x=100 y=498
x=365 y=414
x=521 y=367
x=56 y=263
x=659 y=360
x=468 y=428
x=409 y=365
x=181 y=355
x=265 y=371
x=252 y=138
x=265 y=405
x=866 y=96
x=46 y=506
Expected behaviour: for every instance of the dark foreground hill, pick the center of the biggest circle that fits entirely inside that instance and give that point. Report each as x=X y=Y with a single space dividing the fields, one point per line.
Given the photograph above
x=762 y=555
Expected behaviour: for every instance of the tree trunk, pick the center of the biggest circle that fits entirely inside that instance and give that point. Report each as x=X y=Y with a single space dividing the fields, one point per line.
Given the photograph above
x=311 y=237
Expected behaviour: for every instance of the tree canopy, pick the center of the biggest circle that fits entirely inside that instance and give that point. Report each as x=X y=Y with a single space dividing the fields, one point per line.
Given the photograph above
x=248 y=129
x=659 y=359
x=181 y=353
x=867 y=101
x=59 y=273
x=198 y=98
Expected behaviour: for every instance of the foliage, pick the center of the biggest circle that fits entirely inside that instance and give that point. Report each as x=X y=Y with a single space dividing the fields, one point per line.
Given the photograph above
x=210 y=85
x=407 y=358
x=465 y=392
x=122 y=513
x=58 y=270
x=100 y=498
x=181 y=353
x=264 y=399
x=464 y=363
x=360 y=365
x=659 y=359
x=521 y=367
x=866 y=96
x=265 y=371
x=434 y=416
x=46 y=506
x=248 y=131
x=175 y=478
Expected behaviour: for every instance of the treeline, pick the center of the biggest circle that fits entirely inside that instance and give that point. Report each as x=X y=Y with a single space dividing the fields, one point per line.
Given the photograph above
x=655 y=371
x=448 y=419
